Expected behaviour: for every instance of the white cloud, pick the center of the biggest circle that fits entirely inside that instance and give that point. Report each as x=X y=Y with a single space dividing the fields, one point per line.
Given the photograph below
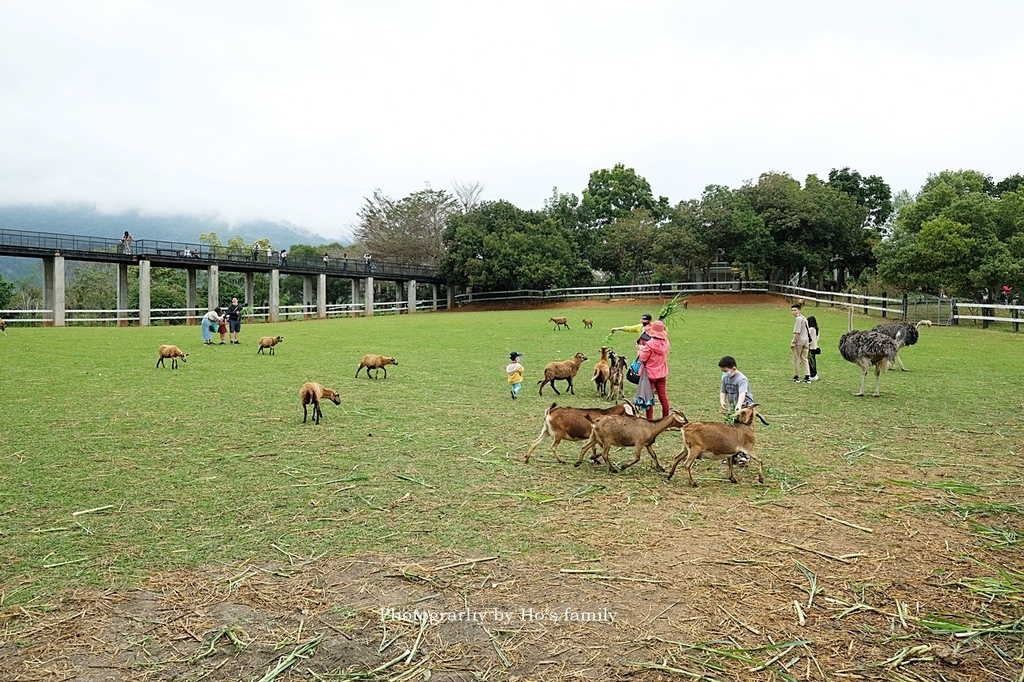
x=296 y=111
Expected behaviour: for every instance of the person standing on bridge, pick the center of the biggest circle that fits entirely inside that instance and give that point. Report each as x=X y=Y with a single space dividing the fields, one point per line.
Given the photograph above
x=255 y=251
x=327 y=258
x=284 y=257
x=126 y=242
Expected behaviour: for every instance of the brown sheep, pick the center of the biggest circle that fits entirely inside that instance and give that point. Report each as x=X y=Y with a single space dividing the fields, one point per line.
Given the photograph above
x=564 y=370
x=616 y=376
x=559 y=322
x=574 y=423
x=629 y=432
x=172 y=352
x=375 y=362
x=601 y=372
x=312 y=393
x=720 y=441
x=3 y=326
x=269 y=342
x=588 y=324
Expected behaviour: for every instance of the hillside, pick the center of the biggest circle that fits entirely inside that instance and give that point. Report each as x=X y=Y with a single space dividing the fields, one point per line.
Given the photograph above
x=86 y=220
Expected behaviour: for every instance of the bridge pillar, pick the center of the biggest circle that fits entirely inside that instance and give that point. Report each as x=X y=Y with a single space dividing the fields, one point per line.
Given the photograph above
x=250 y=288
x=190 y=296
x=321 y=295
x=213 y=290
x=451 y=297
x=307 y=295
x=274 y=314
x=144 y=288
x=433 y=291
x=122 y=294
x=355 y=294
x=412 y=296
x=368 y=302
x=53 y=288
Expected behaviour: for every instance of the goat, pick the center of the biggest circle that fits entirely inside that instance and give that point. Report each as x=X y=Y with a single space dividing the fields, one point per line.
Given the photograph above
x=312 y=393
x=269 y=342
x=3 y=326
x=565 y=370
x=719 y=440
x=616 y=375
x=867 y=348
x=625 y=432
x=559 y=322
x=574 y=423
x=375 y=362
x=588 y=324
x=172 y=352
x=601 y=372
x=904 y=333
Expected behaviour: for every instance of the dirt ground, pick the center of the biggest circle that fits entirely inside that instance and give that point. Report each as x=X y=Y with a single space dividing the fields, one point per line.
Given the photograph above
x=697 y=301
x=719 y=601
x=764 y=590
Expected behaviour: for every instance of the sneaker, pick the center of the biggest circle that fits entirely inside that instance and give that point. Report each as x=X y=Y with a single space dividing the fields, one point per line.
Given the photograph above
x=814 y=378
x=807 y=380
x=513 y=394
x=795 y=379
x=741 y=459
x=221 y=343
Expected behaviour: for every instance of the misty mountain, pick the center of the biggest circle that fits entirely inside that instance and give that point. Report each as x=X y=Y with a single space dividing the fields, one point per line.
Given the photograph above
x=86 y=220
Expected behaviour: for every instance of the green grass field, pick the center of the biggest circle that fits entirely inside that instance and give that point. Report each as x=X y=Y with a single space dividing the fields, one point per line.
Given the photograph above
x=113 y=470
x=211 y=463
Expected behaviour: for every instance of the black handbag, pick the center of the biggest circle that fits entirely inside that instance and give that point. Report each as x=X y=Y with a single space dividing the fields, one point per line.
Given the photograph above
x=633 y=372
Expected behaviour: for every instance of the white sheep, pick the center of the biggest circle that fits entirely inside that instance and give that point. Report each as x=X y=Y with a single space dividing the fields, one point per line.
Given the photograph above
x=312 y=393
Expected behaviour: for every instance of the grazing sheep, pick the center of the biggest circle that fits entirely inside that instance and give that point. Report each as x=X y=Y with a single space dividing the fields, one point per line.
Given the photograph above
x=588 y=324
x=559 y=322
x=720 y=441
x=3 y=326
x=574 y=423
x=867 y=348
x=269 y=342
x=565 y=370
x=904 y=333
x=629 y=432
x=601 y=372
x=616 y=376
x=375 y=362
x=312 y=393
x=172 y=352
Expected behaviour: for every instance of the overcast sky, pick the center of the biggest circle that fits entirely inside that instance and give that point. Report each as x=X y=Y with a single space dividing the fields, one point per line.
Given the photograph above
x=297 y=110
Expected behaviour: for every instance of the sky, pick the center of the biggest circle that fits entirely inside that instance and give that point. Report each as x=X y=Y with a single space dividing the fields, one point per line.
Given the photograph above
x=298 y=111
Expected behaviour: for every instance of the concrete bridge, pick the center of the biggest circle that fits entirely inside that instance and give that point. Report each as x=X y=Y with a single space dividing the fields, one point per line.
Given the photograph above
x=53 y=249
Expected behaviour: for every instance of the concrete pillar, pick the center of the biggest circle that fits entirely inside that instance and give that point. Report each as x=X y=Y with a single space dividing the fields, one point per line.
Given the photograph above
x=368 y=303
x=122 y=294
x=307 y=295
x=250 y=288
x=213 y=291
x=451 y=298
x=433 y=290
x=53 y=288
x=321 y=295
x=144 y=287
x=355 y=293
x=190 y=295
x=412 y=296
x=275 y=295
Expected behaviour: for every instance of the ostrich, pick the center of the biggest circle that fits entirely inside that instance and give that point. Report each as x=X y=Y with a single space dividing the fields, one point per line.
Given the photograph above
x=904 y=333
x=867 y=348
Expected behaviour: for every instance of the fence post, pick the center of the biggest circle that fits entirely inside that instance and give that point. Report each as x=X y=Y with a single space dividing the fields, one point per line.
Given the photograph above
x=885 y=304
x=906 y=306
x=1014 y=314
x=954 y=313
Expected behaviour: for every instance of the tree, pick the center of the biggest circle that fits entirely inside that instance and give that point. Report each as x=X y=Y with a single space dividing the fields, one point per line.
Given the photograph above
x=616 y=192
x=872 y=193
x=499 y=247
x=467 y=194
x=6 y=293
x=409 y=230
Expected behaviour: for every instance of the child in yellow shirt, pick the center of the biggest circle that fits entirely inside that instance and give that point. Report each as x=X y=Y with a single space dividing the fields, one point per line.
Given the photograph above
x=515 y=373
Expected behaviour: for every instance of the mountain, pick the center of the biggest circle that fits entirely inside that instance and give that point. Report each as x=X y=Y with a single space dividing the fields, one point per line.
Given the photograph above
x=86 y=220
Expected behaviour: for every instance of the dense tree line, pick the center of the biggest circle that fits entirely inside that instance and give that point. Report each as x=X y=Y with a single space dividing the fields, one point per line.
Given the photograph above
x=962 y=234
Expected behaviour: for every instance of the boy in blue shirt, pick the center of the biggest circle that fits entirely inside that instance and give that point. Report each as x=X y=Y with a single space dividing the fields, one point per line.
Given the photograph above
x=735 y=394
